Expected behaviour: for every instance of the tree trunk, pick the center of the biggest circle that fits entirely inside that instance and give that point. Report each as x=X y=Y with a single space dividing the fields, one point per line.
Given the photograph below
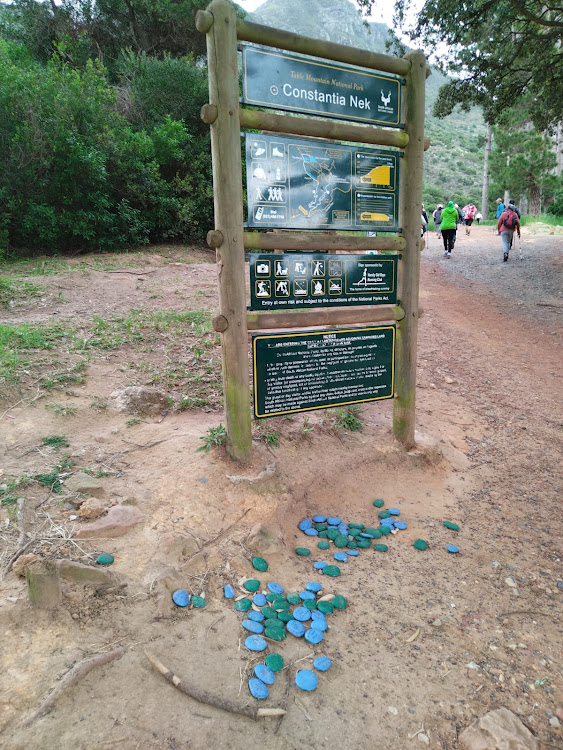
x=535 y=199
x=559 y=149
x=485 y=191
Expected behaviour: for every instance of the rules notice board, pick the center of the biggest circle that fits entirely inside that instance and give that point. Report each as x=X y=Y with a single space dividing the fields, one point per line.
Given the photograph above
x=306 y=370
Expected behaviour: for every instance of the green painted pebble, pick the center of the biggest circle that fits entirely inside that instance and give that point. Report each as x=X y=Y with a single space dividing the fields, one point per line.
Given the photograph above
x=275 y=662
x=363 y=543
x=331 y=570
x=356 y=526
x=450 y=525
x=381 y=547
x=379 y=503
x=269 y=612
x=385 y=530
x=243 y=605
x=303 y=551
x=352 y=545
x=198 y=602
x=323 y=545
x=323 y=534
x=421 y=544
x=333 y=533
x=341 y=541
x=272 y=622
x=384 y=514
x=293 y=598
x=321 y=526
x=275 y=634
x=253 y=584
x=339 y=602
x=259 y=564
x=310 y=603
x=105 y=559
x=285 y=616
x=325 y=607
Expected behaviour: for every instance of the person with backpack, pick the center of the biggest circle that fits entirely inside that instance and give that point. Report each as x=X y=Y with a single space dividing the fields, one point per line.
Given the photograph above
x=508 y=223
x=437 y=216
x=450 y=218
x=469 y=213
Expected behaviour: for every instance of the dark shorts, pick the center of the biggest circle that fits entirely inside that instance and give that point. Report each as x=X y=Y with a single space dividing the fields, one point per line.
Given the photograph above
x=468 y=222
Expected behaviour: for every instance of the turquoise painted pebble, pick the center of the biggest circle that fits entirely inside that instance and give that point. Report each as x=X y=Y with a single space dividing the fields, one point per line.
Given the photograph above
x=400 y=525
x=333 y=521
x=181 y=598
x=322 y=663
x=265 y=674
x=198 y=602
x=255 y=643
x=302 y=614
x=353 y=552
x=341 y=556
x=394 y=511
x=296 y=628
x=259 y=600
x=306 y=595
x=306 y=680
x=452 y=548
x=275 y=588
x=229 y=591
x=316 y=614
x=258 y=689
x=105 y=559
x=314 y=636
x=319 y=519
x=252 y=627
x=319 y=565
x=319 y=625
x=311 y=532
x=314 y=587
x=255 y=616
x=306 y=523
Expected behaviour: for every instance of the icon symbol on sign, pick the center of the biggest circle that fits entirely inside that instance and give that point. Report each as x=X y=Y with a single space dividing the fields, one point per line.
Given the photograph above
x=274 y=90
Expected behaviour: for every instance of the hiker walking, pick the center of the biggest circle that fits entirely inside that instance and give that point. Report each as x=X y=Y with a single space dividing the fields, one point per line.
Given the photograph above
x=508 y=223
x=437 y=216
x=469 y=213
x=450 y=218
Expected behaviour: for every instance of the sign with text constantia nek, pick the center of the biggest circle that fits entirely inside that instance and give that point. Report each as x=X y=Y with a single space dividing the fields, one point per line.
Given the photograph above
x=279 y=80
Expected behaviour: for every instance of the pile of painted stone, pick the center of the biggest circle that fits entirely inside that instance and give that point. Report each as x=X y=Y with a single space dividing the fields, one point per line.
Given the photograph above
x=348 y=537
x=270 y=615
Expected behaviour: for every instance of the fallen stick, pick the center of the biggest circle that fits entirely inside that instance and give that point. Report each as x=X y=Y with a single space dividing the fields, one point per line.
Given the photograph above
x=79 y=671
x=211 y=700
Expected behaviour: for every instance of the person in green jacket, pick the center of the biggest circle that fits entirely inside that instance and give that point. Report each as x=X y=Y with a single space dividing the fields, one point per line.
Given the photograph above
x=450 y=217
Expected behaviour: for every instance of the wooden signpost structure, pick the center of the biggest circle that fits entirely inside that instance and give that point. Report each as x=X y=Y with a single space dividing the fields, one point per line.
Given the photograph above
x=225 y=117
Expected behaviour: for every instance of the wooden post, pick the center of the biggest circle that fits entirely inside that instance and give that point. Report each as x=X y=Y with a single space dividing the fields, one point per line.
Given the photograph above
x=219 y=23
x=409 y=267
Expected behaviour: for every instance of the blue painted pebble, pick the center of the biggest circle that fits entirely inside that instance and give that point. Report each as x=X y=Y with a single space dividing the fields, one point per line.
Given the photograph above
x=181 y=598
x=333 y=521
x=343 y=528
x=322 y=663
x=314 y=587
x=319 y=565
x=366 y=536
x=252 y=627
x=306 y=595
x=229 y=591
x=302 y=614
x=255 y=643
x=319 y=519
x=275 y=588
x=296 y=628
x=306 y=680
x=265 y=674
x=258 y=689
x=311 y=532
x=306 y=523
x=316 y=614
x=394 y=511
x=319 y=625
x=314 y=635
x=256 y=616
x=452 y=548
x=341 y=556
x=400 y=525
x=353 y=552
x=260 y=600
x=387 y=522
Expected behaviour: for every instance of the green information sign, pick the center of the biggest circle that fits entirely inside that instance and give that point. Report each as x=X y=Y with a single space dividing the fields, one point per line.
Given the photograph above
x=299 y=280
x=307 y=370
x=288 y=81
x=307 y=184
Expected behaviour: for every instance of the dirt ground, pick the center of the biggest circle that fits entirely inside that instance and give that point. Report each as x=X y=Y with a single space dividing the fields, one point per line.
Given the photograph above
x=430 y=641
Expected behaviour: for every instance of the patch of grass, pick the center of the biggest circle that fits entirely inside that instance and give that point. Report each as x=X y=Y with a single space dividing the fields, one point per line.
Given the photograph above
x=307 y=428
x=347 y=418
x=9 y=495
x=14 y=292
x=98 y=473
x=62 y=410
x=62 y=378
x=18 y=341
x=54 y=478
x=132 y=422
x=56 y=442
x=214 y=437
x=100 y=404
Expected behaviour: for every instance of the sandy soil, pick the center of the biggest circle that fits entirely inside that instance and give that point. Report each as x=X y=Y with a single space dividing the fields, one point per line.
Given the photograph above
x=430 y=641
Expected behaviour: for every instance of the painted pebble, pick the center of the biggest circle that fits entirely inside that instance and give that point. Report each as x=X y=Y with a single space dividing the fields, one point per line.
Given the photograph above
x=394 y=511
x=352 y=552
x=296 y=628
x=319 y=565
x=253 y=584
x=275 y=588
x=339 y=602
x=285 y=616
x=265 y=674
x=275 y=662
x=322 y=663
x=314 y=587
x=259 y=600
x=381 y=547
x=450 y=525
x=306 y=680
x=318 y=615
x=331 y=570
x=229 y=591
x=319 y=519
x=276 y=634
x=387 y=522
x=302 y=614
x=383 y=514
x=311 y=532
x=314 y=635
x=260 y=564
x=452 y=548
x=255 y=643
x=379 y=503
x=105 y=559
x=198 y=602
x=293 y=598
x=323 y=545
x=306 y=595
x=325 y=607
x=341 y=556
x=303 y=551
x=181 y=598
x=252 y=627
x=420 y=544
x=258 y=689
x=306 y=523
x=333 y=521
x=243 y=605
x=255 y=616
x=319 y=624
x=385 y=530
x=400 y=525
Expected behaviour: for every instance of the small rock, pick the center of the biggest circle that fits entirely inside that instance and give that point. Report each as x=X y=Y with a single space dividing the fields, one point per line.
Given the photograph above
x=510 y=581
x=437 y=623
x=554 y=722
x=522 y=645
x=495 y=565
x=473 y=665
x=21 y=564
x=43 y=584
x=74 y=571
x=424 y=738
x=85 y=484
x=449 y=381
x=498 y=729
x=92 y=508
x=140 y=399
x=119 y=519
x=393 y=710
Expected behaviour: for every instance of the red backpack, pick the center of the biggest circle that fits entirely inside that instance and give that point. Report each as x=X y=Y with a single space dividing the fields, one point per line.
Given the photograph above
x=510 y=221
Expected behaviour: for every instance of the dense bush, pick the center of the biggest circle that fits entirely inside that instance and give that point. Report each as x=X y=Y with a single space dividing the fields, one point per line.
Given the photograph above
x=76 y=173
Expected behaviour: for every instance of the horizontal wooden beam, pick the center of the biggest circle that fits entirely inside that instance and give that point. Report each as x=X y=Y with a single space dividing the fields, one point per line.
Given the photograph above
x=319 y=242
x=331 y=129
x=260 y=34
x=332 y=316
